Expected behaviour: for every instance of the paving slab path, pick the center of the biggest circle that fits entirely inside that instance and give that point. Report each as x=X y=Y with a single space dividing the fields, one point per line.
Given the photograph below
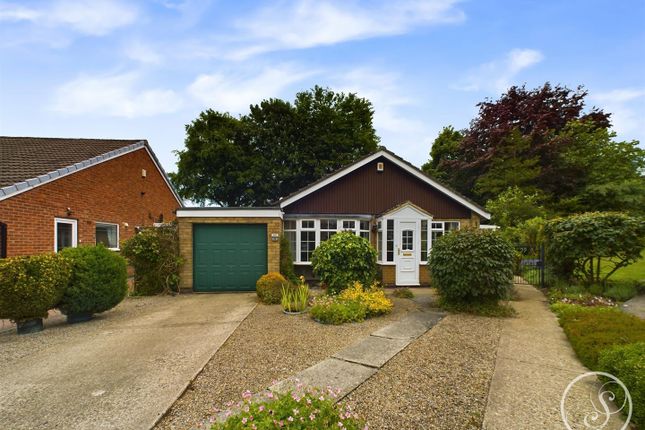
x=635 y=306
x=535 y=364
x=122 y=370
x=350 y=367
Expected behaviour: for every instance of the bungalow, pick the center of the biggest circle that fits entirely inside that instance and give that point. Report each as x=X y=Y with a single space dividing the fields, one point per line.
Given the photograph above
x=56 y=193
x=381 y=197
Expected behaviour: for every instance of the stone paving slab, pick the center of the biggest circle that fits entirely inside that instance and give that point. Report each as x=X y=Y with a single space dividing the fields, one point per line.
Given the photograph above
x=372 y=351
x=332 y=372
x=535 y=364
x=410 y=327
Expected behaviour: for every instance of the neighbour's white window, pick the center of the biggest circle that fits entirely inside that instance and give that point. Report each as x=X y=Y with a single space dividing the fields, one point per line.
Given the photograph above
x=289 y=227
x=108 y=235
x=65 y=233
x=307 y=239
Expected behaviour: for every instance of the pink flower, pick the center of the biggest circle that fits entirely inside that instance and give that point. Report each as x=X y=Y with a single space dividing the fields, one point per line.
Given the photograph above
x=312 y=417
x=247 y=394
x=340 y=424
x=244 y=420
x=270 y=394
x=290 y=419
x=261 y=408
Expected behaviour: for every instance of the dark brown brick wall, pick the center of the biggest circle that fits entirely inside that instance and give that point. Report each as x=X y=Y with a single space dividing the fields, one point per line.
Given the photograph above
x=108 y=192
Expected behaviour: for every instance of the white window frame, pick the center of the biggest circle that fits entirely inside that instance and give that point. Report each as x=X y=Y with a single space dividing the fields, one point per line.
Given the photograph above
x=74 y=224
x=315 y=229
x=118 y=233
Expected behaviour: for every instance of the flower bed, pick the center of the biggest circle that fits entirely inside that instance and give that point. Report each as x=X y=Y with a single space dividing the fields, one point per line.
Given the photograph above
x=300 y=409
x=354 y=304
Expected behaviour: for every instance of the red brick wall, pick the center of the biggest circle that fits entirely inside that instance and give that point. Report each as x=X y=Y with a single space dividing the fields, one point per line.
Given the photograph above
x=108 y=192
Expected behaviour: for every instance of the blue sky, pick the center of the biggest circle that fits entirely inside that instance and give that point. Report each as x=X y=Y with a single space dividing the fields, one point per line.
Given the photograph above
x=126 y=69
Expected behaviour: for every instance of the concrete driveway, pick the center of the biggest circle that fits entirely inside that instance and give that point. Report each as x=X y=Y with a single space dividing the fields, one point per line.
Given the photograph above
x=120 y=371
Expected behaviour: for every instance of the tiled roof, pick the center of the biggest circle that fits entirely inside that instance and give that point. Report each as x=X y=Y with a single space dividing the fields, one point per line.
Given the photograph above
x=23 y=158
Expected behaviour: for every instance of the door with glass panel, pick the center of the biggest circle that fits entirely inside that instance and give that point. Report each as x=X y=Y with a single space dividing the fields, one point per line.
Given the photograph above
x=407 y=253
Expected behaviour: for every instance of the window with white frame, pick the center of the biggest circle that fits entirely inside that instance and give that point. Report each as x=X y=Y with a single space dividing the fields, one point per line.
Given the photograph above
x=328 y=228
x=349 y=225
x=437 y=230
x=307 y=239
x=379 y=241
x=65 y=233
x=364 y=229
x=389 y=240
x=451 y=225
x=107 y=234
x=424 y=240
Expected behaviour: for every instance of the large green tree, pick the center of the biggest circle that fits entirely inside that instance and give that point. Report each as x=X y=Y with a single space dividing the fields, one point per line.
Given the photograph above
x=445 y=147
x=275 y=149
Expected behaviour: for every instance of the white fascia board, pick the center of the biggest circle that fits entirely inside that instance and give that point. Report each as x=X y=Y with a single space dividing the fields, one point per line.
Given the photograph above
x=228 y=213
x=396 y=161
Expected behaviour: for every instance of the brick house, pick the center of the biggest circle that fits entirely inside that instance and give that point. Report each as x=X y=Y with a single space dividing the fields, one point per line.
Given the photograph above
x=56 y=193
x=381 y=197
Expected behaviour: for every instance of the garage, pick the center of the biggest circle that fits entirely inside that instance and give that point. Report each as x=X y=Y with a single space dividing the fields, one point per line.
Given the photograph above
x=228 y=257
x=227 y=249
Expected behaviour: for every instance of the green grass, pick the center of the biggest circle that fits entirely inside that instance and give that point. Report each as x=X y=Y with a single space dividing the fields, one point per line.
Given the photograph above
x=633 y=272
x=487 y=308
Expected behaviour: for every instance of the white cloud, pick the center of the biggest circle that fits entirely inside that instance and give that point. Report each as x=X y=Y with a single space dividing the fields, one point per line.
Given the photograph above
x=498 y=75
x=298 y=24
x=113 y=95
x=235 y=91
x=142 y=53
x=627 y=108
x=91 y=17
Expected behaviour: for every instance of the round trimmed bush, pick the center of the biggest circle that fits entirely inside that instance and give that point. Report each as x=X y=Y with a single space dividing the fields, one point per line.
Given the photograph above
x=30 y=286
x=343 y=260
x=99 y=280
x=269 y=288
x=468 y=265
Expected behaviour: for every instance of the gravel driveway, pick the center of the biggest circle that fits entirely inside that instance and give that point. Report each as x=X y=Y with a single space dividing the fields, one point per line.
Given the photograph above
x=121 y=370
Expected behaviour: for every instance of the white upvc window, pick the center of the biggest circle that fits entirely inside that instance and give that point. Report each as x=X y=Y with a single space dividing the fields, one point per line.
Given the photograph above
x=65 y=233
x=107 y=234
x=379 y=241
x=304 y=235
x=439 y=228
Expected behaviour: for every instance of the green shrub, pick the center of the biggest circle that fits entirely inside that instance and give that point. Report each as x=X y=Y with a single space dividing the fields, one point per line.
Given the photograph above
x=330 y=309
x=154 y=254
x=286 y=261
x=627 y=363
x=621 y=291
x=301 y=409
x=403 y=293
x=592 y=329
x=469 y=265
x=30 y=286
x=99 y=280
x=344 y=259
x=295 y=299
x=269 y=288
x=580 y=245
x=373 y=298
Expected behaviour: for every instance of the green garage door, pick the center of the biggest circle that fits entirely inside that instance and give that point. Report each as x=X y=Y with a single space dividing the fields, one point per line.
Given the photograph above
x=228 y=257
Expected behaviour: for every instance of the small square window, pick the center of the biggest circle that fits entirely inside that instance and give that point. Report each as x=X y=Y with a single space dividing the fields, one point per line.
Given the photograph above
x=108 y=235
x=349 y=225
x=328 y=224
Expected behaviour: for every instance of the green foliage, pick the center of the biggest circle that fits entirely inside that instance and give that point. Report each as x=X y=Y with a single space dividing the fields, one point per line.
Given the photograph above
x=154 y=254
x=513 y=206
x=30 y=286
x=621 y=291
x=627 y=363
x=286 y=260
x=594 y=329
x=298 y=410
x=445 y=147
x=403 y=293
x=344 y=259
x=576 y=245
x=99 y=280
x=295 y=299
x=472 y=265
x=330 y=309
x=484 y=308
x=276 y=149
x=510 y=169
x=269 y=288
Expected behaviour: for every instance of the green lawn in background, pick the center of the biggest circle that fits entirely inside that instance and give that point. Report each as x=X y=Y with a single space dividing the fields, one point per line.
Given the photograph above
x=633 y=272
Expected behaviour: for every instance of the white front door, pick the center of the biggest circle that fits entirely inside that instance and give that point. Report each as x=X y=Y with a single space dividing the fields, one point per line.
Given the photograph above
x=407 y=253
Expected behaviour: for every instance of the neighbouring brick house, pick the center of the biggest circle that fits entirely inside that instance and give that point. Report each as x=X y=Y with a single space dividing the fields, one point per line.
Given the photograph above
x=381 y=197
x=56 y=193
